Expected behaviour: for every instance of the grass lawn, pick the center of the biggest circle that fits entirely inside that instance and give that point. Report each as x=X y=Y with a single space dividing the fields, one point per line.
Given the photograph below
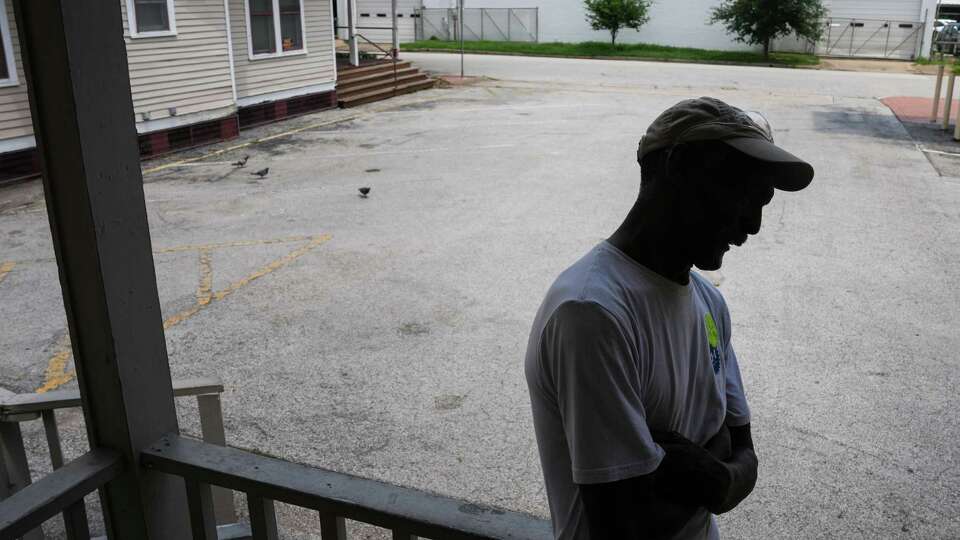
x=949 y=61
x=640 y=51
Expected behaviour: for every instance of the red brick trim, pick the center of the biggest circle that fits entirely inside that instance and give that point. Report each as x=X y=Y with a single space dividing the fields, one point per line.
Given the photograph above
x=19 y=165
x=24 y=164
x=275 y=111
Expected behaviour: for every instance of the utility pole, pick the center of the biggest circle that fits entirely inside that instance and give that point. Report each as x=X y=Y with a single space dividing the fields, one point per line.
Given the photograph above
x=395 y=44
x=352 y=32
x=460 y=10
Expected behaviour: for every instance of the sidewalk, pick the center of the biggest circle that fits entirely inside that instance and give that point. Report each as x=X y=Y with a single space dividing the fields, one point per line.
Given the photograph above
x=936 y=143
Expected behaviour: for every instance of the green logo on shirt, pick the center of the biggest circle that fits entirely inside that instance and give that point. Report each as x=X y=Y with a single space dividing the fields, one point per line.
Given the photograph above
x=712 y=337
x=714 y=340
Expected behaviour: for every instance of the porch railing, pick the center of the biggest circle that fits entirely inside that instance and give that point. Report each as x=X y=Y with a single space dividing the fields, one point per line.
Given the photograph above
x=392 y=54
x=408 y=513
x=15 y=469
x=212 y=471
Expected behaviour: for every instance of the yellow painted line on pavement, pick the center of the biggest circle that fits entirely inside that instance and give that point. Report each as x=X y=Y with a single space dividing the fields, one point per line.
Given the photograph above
x=57 y=375
x=275 y=265
x=5 y=269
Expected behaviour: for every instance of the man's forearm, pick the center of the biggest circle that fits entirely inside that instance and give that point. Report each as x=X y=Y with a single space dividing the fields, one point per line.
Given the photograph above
x=742 y=467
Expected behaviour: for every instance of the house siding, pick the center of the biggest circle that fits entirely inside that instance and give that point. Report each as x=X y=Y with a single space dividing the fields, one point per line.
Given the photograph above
x=264 y=76
x=188 y=72
x=186 y=79
x=14 y=103
x=896 y=10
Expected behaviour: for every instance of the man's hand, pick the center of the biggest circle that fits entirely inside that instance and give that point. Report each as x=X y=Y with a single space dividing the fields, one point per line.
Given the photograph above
x=717 y=476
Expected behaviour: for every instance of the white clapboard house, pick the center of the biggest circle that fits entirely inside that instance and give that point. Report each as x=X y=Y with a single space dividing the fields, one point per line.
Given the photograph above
x=199 y=71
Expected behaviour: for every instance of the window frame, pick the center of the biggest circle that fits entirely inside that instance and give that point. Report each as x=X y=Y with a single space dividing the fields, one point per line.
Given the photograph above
x=132 y=22
x=12 y=78
x=278 y=38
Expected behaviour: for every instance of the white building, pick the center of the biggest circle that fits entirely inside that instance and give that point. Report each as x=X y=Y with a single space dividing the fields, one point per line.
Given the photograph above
x=889 y=28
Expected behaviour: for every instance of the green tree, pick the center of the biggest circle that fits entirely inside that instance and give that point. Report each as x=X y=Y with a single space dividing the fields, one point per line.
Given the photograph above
x=613 y=15
x=761 y=21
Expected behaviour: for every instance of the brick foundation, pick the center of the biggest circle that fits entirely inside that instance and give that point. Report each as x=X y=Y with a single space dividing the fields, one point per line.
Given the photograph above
x=274 y=111
x=25 y=164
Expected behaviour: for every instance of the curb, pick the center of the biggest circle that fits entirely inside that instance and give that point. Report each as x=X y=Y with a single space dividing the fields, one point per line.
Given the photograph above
x=619 y=58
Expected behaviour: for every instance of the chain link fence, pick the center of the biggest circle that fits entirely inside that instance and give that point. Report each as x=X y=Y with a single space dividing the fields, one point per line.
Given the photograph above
x=863 y=38
x=479 y=24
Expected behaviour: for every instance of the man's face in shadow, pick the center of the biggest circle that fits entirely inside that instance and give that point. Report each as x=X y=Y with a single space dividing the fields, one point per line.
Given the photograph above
x=722 y=200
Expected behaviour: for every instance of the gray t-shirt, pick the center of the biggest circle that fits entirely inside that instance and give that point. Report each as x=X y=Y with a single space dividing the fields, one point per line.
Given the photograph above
x=617 y=350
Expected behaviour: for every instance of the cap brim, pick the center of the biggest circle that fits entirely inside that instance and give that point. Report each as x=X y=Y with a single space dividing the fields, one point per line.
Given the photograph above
x=791 y=173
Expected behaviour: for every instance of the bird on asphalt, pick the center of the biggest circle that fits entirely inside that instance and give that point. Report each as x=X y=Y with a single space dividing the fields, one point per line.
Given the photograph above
x=262 y=172
x=364 y=191
x=241 y=163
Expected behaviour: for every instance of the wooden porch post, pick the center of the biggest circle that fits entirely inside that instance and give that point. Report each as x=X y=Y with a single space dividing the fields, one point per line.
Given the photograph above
x=76 y=69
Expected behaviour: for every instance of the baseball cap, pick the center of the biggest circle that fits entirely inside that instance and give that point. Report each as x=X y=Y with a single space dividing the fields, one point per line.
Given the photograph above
x=709 y=119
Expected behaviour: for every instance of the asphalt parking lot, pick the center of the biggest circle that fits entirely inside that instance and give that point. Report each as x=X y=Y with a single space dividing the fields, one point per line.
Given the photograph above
x=384 y=336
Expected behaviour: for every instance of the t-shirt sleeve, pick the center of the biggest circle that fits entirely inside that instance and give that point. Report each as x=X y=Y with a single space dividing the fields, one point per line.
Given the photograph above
x=738 y=412
x=595 y=374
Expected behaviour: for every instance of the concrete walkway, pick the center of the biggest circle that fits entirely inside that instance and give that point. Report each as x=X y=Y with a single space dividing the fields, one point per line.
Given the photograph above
x=388 y=339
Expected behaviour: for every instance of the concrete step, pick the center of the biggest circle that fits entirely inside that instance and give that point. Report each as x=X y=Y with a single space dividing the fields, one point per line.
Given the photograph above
x=385 y=82
x=384 y=93
x=354 y=82
x=346 y=74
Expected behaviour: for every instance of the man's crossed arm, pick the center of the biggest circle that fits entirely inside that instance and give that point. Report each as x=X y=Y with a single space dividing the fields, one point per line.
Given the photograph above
x=657 y=505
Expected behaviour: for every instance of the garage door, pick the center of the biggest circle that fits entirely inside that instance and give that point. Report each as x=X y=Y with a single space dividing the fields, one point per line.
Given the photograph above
x=875 y=29
x=374 y=18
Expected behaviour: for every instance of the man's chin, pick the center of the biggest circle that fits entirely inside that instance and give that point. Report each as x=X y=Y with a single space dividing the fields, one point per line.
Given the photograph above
x=713 y=262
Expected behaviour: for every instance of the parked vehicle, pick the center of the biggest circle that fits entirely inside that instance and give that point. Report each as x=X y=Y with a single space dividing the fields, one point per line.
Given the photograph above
x=945 y=41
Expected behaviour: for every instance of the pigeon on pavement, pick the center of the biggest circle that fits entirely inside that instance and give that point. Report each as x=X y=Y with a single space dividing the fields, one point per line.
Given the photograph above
x=242 y=162
x=364 y=191
x=262 y=172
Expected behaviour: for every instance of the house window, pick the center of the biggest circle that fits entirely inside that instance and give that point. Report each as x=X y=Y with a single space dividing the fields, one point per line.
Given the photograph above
x=275 y=27
x=8 y=69
x=291 y=29
x=149 y=18
x=263 y=39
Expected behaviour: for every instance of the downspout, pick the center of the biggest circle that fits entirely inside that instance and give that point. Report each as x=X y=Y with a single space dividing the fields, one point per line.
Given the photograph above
x=233 y=70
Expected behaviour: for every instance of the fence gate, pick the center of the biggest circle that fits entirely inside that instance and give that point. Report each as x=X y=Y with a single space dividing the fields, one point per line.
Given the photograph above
x=480 y=24
x=870 y=38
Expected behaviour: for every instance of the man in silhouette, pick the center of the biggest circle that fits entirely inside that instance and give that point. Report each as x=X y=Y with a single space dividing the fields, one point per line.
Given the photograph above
x=639 y=408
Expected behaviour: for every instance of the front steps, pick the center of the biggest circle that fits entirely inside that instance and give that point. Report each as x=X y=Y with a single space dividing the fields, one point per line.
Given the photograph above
x=366 y=83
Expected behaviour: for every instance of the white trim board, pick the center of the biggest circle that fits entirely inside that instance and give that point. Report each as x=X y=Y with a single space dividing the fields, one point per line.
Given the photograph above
x=12 y=79
x=233 y=67
x=17 y=143
x=286 y=94
x=170 y=122
x=132 y=22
